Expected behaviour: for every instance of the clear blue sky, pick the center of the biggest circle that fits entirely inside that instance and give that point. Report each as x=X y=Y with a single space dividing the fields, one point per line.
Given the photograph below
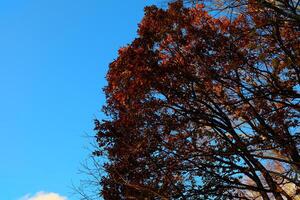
x=54 y=55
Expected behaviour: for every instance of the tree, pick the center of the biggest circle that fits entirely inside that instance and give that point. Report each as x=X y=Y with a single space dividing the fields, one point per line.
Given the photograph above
x=201 y=107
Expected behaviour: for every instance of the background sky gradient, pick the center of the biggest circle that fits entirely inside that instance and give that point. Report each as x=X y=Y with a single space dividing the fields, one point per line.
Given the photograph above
x=54 y=55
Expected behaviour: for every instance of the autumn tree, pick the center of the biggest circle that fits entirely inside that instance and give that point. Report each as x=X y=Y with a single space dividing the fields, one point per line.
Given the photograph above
x=204 y=107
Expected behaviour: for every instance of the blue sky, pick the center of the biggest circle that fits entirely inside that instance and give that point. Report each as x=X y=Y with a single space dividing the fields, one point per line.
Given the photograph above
x=54 y=55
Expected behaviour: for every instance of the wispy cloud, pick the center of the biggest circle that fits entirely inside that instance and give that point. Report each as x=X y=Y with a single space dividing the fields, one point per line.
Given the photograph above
x=43 y=196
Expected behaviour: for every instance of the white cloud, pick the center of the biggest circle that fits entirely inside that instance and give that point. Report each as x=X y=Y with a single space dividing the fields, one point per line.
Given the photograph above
x=43 y=196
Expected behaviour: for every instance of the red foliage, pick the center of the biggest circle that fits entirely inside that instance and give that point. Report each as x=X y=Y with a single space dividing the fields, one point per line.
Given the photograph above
x=198 y=103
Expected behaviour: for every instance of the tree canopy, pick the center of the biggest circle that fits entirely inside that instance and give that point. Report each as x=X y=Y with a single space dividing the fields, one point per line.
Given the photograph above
x=205 y=106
